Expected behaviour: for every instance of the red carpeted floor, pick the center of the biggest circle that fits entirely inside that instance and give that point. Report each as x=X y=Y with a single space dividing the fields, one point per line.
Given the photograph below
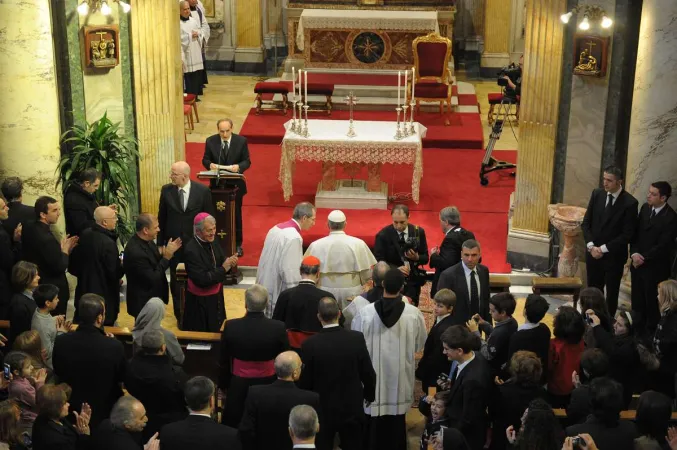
x=450 y=177
x=464 y=130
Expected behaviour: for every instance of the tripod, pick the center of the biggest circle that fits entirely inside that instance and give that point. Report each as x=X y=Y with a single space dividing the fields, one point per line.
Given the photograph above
x=490 y=164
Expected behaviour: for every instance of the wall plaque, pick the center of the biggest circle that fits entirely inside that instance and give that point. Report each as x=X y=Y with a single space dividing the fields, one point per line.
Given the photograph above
x=102 y=46
x=590 y=55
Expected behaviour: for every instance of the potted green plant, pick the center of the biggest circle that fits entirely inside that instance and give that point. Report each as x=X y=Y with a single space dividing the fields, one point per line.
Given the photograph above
x=102 y=145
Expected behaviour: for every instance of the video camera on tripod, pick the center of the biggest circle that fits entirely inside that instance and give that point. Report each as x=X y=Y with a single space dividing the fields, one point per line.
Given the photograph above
x=512 y=71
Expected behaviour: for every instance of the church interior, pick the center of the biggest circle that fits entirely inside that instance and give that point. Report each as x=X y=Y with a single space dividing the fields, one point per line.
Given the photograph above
x=411 y=102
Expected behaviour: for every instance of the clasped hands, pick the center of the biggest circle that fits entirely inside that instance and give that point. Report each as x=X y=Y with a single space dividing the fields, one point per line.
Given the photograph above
x=596 y=252
x=231 y=168
x=637 y=260
x=230 y=262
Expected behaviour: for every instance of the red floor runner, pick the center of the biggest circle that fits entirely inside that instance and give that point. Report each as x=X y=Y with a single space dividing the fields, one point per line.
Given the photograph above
x=449 y=177
x=464 y=130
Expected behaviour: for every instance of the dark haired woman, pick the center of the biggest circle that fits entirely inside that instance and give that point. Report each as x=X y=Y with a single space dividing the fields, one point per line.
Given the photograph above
x=565 y=355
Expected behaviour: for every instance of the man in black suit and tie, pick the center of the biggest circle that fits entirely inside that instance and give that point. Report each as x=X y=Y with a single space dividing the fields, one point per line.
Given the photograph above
x=449 y=253
x=199 y=431
x=339 y=369
x=229 y=151
x=403 y=246
x=180 y=201
x=650 y=250
x=469 y=280
x=608 y=226
x=12 y=190
x=471 y=386
x=145 y=266
x=264 y=424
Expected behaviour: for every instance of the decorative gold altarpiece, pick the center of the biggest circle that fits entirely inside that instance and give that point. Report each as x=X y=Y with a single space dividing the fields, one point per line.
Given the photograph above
x=359 y=47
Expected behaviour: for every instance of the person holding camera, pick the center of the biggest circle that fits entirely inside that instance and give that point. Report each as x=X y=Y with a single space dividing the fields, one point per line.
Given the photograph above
x=510 y=78
x=404 y=246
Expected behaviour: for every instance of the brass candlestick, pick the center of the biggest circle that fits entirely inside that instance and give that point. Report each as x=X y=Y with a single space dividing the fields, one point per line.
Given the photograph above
x=351 y=101
x=398 y=133
x=412 y=128
x=293 y=119
x=405 y=128
x=306 y=132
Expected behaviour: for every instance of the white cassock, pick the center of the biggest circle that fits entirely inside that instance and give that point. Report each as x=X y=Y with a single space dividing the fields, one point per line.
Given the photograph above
x=392 y=354
x=280 y=261
x=354 y=307
x=345 y=264
x=191 y=49
x=204 y=26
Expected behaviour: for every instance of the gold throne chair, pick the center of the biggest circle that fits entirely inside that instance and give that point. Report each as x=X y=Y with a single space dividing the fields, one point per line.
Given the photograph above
x=433 y=79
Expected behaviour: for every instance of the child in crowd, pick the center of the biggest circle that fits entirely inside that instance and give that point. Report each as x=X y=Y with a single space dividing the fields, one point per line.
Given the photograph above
x=46 y=297
x=533 y=336
x=434 y=361
x=495 y=348
x=438 y=417
x=23 y=386
x=565 y=355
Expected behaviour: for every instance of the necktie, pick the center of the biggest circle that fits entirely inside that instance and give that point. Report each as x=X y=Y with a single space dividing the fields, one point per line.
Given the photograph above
x=224 y=147
x=474 y=294
x=454 y=370
x=402 y=238
x=182 y=199
x=609 y=202
x=653 y=214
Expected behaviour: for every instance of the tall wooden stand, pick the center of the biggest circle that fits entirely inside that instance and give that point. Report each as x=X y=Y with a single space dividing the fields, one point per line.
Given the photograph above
x=224 y=212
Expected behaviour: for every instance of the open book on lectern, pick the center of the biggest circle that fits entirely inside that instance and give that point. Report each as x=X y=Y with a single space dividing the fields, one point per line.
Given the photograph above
x=213 y=173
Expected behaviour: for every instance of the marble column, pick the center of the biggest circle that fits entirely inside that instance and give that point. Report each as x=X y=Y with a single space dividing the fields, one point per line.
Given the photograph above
x=528 y=236
x=29 y=112
x=158 y=85
x=497 y=33
x=249 y=55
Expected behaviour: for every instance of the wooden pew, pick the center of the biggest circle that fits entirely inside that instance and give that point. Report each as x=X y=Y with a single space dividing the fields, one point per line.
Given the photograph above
x=499 y=283
x=554 y=286
x=626 y=415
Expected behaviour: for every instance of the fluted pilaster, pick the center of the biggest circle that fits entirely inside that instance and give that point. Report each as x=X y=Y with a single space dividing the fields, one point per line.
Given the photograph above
x=248 y=23
x=528 y=241
x=497 y=23
x=158 y=81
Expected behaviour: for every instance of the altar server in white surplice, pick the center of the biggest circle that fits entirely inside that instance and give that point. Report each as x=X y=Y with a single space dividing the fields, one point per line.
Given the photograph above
x=346 y=260
x=191 y=51
x=394 y=331
x=282 y=254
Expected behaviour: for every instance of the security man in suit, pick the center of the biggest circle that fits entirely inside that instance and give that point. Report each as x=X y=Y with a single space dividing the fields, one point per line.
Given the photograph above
x=469 y=280
x=19 y=214
x=651 y=250
x=229 y=151
x=404 y=246
x=180 y=201
x=449 y=253
x=608 y=226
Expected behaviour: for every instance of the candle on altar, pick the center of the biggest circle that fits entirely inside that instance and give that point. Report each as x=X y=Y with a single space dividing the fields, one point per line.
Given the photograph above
x=293 y=83
x=406 y=80
x=306 y=73
x=413 y=82
x=399 y=75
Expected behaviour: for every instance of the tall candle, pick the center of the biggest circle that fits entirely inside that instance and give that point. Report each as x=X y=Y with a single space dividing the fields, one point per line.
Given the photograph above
x=406 y=80
x=293 y=83
x=306 y=73
x=413 y=82
x=399 y=74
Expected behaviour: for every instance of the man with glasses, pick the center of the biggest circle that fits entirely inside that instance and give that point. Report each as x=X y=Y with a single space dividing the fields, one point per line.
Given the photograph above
x=228 y=151
x=96 y=262
x=180 y=201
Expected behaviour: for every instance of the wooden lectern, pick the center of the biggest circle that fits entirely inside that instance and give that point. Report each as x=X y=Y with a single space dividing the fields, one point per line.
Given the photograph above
x=223 y=197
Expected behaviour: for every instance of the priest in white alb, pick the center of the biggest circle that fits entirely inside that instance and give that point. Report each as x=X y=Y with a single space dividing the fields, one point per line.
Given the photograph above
x=346 y=261
x=394 y=331
x=191 y=50
x=282 y=254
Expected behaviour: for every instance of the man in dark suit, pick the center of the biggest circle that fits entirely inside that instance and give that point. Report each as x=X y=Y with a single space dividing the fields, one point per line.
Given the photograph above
x=79 y=202
x=229 y=151
x=449 y=253
x=264 y=424
x=471 y=386
x=404 y=246
x=180 y=201
x=145 y=266
x=96 y=262
x=608 y=226
x=303 y=426
x=123 y=430
x=249 y=346
x=297 y=306
x=339 y=369
x=469 y=280
x=199 y=431
x=40 y=247
x=10 y=247
x=12 y=190
x=156 y=382
x=92 y=363
x=651 y=250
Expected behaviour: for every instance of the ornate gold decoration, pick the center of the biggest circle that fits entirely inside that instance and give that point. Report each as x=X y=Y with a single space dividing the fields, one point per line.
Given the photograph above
x=446 y=75
x=222 y=233
x=101 y=46
x=221 y=206
x=592 y=55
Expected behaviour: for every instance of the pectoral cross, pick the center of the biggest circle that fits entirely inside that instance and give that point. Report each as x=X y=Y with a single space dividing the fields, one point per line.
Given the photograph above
x=222 y=234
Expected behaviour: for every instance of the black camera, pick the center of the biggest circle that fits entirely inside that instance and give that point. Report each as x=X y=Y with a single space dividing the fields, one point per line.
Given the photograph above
x=512 y=71
x=411 y=243
x=577 y=443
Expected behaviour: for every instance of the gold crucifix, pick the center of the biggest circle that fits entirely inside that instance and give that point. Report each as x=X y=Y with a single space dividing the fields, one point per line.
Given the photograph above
x=222 y=234
x=591 y=45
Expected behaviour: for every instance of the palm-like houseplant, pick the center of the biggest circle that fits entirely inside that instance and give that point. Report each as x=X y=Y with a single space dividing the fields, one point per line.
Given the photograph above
x=101 y=145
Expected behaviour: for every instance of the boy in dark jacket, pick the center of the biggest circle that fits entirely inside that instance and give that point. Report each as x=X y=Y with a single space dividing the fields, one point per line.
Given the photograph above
x=434 y=362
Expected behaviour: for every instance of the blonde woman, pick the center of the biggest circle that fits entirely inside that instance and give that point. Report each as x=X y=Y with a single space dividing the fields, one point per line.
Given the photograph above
x=665 y=338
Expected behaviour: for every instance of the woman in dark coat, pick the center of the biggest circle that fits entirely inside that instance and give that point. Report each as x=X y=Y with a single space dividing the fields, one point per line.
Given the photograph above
x=665 y=339
x=51 y=429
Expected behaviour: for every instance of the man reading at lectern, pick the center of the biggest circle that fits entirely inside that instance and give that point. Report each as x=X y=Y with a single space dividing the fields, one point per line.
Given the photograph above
x=228 y=151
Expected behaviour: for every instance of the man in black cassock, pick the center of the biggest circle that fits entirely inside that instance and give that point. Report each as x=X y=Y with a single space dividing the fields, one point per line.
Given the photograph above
x=249 y=346
x=96 y=262
x=79 y=202
x=10 y=246
x=206 y=266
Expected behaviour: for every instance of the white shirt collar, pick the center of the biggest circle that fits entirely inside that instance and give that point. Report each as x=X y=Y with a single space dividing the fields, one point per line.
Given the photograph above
x=467 y=270
x=228 y=140
x=462 y=365
x=615 y=194
x=304 y=446
x=441 y=318
x=337 y=232
x=527 y=326
x=659 y=209
x=186 y=188
x=200 y=414
x=331 y=325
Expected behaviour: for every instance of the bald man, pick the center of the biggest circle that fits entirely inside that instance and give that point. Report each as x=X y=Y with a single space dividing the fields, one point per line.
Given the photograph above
x=180 y=201
x=96 y=262
x=265 y=423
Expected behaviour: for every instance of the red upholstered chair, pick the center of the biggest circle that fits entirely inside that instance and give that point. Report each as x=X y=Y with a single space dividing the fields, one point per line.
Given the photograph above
x=190 y=99
x=433 y=77
x=325 y=89
x=271 y=88
x=188 y=116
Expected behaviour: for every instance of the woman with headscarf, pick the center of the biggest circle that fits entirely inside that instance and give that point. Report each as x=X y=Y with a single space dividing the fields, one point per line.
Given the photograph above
x=150 y=318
